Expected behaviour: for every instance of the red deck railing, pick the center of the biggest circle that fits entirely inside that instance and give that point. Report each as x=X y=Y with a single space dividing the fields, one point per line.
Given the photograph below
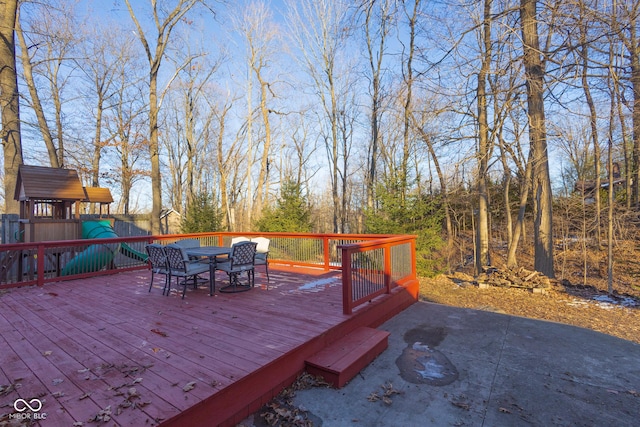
x=371 y=265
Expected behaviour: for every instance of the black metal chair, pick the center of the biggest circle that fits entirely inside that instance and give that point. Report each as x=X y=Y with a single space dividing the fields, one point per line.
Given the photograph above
x=180 y=266
x=158 y=262
x=240 y=260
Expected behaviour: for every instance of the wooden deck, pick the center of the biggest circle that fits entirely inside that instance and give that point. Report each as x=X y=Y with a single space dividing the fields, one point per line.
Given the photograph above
x=104 y=348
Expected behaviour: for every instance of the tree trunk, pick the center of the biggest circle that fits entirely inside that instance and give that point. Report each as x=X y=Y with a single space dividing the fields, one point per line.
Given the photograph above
x=192 y=154
x=154 y=153
x=97 y=144
x=593 y=116
x=228 y=219
x=634 y=59
x=263 y=173
x=518 y=230
x=10 y=104
x=443 y=185
x=484 y=149
x=542 y=196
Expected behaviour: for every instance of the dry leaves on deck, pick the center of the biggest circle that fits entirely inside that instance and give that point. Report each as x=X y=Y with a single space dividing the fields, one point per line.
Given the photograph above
x=103 y=416
x=6 y=389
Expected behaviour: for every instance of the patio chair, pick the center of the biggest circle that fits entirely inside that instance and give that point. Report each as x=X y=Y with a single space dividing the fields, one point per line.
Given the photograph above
x=190 y=243
x=158 y=262
x=262 y=254
x=239 y=239
x=240 y=261
x=180 y=266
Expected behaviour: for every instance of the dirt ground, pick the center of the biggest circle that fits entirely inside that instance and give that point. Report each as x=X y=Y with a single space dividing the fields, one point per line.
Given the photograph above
x=587 y=306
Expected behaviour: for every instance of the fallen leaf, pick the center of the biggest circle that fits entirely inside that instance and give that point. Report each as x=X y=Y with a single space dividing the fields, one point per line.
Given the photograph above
x=461 y=405
x=104 y=415
x=159 y=332
x=6 y=389
x=132 y=392
x=373 y=397
x=389 y=390
x=189 y=386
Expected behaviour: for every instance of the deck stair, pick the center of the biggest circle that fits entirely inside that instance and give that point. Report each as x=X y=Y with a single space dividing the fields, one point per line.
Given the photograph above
x=341 y=360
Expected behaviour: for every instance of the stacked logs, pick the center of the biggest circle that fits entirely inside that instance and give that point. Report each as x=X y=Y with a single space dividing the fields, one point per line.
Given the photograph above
x=507 y=278
x=514 y=278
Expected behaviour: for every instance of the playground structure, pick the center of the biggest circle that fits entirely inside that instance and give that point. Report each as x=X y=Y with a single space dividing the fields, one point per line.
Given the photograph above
x=50 y=201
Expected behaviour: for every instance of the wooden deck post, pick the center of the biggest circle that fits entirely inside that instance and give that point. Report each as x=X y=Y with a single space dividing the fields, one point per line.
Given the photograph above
x=347 y=291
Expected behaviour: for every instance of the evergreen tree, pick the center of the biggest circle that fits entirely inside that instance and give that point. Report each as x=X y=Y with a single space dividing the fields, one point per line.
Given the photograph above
x=291 y=213
x=413 y=214
x=201 y=216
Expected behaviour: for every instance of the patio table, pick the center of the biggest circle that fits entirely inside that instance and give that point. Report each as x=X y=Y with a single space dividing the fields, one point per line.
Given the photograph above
x=211 y=252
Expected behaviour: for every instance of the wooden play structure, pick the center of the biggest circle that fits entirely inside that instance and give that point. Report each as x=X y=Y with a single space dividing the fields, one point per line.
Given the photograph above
x=101 y=198
x=50 y=201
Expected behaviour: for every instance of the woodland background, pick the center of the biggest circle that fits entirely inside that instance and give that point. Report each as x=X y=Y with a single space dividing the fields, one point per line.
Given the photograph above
x=479 y=126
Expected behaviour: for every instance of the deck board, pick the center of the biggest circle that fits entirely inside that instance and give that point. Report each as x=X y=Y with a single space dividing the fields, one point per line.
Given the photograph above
x=82 y=344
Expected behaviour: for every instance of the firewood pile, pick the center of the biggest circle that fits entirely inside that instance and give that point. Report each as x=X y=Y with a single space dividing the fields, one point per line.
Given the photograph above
x=512 y=278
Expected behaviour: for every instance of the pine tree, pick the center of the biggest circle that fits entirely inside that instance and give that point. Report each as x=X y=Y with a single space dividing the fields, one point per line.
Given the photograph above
x=291 y=213
x=201 y=215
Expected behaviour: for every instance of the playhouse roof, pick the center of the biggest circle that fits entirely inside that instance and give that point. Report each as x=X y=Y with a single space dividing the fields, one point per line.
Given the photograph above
x=43 y=183
x=98 y=195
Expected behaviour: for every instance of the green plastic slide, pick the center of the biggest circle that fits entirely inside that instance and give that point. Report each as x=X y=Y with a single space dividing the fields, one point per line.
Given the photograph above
x=100 y=255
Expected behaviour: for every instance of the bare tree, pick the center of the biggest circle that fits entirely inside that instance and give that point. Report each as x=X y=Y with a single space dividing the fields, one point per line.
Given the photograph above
x=378 y=15
x=9 y=103
x=226 y=160
x=105 y=57
x=45 y=52
x=296 y=152
x=165 y=21
x=319 y=30
x=484 y=144
x=261 y=35
x=585 y=22
x=542 y=195
x=187 y=119
x=428 y=140
x=631 y=39
x=126 y=136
